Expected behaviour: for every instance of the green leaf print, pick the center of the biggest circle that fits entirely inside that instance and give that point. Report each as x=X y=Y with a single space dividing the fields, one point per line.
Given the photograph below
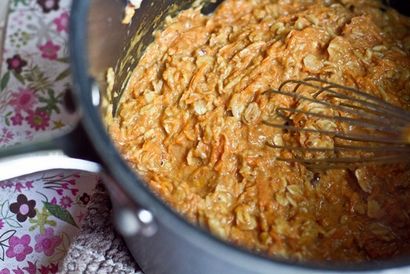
x=13 y=223
x=60 y=213
x=38 y=79
x=19 y=77
x=51 y=102
x=63 y=60
x=8 y=217
x=23 y=2
x=4 y=209
x=63 y=75
x=4 y=81
x=7 y=118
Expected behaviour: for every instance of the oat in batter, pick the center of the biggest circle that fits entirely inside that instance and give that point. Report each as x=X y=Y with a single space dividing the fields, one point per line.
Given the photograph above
x=190 y=124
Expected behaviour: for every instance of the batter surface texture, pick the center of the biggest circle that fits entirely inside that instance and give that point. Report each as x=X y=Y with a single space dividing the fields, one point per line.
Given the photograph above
x=190 y=124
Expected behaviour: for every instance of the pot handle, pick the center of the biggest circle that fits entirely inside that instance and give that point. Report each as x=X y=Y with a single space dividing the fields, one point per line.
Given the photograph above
x=62 y=152
x=73 y=151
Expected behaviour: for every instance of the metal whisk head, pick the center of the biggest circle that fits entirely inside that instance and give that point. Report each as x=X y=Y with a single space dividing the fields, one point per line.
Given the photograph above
x=326 y=125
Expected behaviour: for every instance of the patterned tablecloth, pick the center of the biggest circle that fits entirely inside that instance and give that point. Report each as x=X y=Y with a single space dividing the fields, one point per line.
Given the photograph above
x=39 y=214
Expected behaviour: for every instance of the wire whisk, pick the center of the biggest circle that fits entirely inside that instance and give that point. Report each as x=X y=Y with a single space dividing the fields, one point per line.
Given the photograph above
x=327 y=125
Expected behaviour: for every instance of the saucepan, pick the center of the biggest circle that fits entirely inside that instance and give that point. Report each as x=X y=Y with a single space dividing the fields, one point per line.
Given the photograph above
x=161 y=241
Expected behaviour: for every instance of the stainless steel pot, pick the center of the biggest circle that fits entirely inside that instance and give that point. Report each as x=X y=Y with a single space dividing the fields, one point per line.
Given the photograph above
x=160 y=240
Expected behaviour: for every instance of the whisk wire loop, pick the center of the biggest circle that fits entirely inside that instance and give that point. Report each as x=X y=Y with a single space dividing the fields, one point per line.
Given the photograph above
x=366 y=129
x=369 y=101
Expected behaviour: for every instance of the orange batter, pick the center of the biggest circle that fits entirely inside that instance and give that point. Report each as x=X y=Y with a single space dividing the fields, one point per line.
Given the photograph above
x=190 y=124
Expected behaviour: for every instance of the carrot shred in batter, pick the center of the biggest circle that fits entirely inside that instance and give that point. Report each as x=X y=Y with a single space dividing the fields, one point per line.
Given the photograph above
x=190 y=124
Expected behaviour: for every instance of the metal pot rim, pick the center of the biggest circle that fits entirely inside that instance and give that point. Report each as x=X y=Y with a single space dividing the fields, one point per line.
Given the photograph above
x=138 y=192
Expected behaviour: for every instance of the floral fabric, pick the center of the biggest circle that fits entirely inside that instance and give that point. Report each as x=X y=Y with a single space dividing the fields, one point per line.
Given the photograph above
x=39 y=214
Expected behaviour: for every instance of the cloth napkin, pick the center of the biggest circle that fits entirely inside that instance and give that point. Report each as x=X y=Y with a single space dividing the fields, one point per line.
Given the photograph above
x=52 y=221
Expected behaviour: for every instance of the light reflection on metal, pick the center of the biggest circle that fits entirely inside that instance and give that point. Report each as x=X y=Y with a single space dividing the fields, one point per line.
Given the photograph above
x=25 y=164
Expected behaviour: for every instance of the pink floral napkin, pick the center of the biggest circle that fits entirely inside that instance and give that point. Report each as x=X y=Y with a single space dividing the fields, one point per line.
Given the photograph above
x=39 y=214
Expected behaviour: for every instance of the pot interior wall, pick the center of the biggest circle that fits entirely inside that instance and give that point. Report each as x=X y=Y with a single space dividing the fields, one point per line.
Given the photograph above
x=113 y=44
